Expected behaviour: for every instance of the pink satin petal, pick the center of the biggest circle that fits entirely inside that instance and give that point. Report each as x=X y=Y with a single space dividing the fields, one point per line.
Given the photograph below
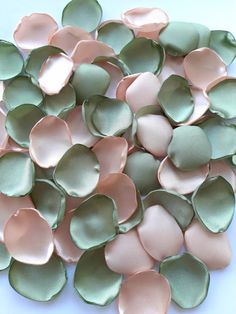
x=124 y=84
x=55 y=73
x=213 y=249
x=68 y=37
x=28 y=237
x=73 y=203
x=154 y=35
x=34 y=31
x=11 y=146
x=203 y=66
x=111 y=153
x=86 y=51
x=79 y=131
x=201 y=105
x=144 y=293
x=49 y=139
x=64 y=246
x=183 y=182
x=135 y=96
x=122 y=190
x=172 y=66
x=125 y=254
x=8 y=206
x=145 y=19
x=154 y=133
x=223 y=169
x=116 y=76
x=159 y=233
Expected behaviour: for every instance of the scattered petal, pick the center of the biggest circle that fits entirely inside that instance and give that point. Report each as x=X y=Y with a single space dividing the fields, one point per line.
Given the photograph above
x=5 y=257
x=144 y=292
x=192 y=274
x=122 y=190
x=124 y=84
x=172 y=66
x=223 y=169
x=49 y=139
x=213 y=249
x=21 y=236
x=55 y=73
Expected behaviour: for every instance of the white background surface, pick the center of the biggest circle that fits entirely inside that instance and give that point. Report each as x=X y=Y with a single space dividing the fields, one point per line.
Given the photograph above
x=216 y=14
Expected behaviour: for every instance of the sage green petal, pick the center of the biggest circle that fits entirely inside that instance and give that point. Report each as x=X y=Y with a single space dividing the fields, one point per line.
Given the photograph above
x=135 y=219
x=106 y=116
x=189 y=279
x=115 y=34
x=189 y=148
x=21 y=91
x=84 y=14
x=89 y=80
x=60 y=104
x=221 y=136
x=222 y=98
x=214 y=204
x=36 y=59
x=38 y=282
x=142 y=168
x=5 y=257
x=20 y=121
x=94 y=281
x=179 y=38
x=94 y=223
x=176 y=204
x=11 y=61
x=224 y=44
x=17 y=169
x=143 y=55
x=49 y=200
x=77 y=172
x=115 y=61
x=204 y=35
x=176 y=99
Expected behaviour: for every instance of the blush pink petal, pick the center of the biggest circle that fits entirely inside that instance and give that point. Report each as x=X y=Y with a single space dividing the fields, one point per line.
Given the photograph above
x=172 y=66
x=49 y=139
x=111 y=153
x=183 y=182
x=159 y=233
x=125 y=254
x=223 y=169
x=146 y=292
x=203 y=66
x=154 y=133
x=154 y=35
x=55 y=73
x=79 y=131
x=145 y=19
x=73 y=203
x=213 y=249
x=64 y=246
x=116 y=76
x=34 y=31
x=135 y=95
x=122 y=190
x=86 y=51
x=8 y=206
x=68 y=37
x=201 y=105
x=28 y=237
x=124 y=84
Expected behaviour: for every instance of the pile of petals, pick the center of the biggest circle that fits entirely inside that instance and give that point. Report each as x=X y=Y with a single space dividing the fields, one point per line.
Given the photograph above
x=118 y=153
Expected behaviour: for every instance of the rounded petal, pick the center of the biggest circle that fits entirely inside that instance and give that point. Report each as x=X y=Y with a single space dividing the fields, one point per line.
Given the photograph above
x=125 y=254
x=5 y=257
x=144 y=292
x=49 y=139
x=22 y=231
x=34 y=31
x=145 y=19
x=111 y=153
x=154 y=134
x=124 y=84
x=172 y=66
x=223 y=169
x=183 y=182
x=213 y=249
x=159 y=233
x=68 y=37
x=122 y=190
x=55 y=73
x=203 y=66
